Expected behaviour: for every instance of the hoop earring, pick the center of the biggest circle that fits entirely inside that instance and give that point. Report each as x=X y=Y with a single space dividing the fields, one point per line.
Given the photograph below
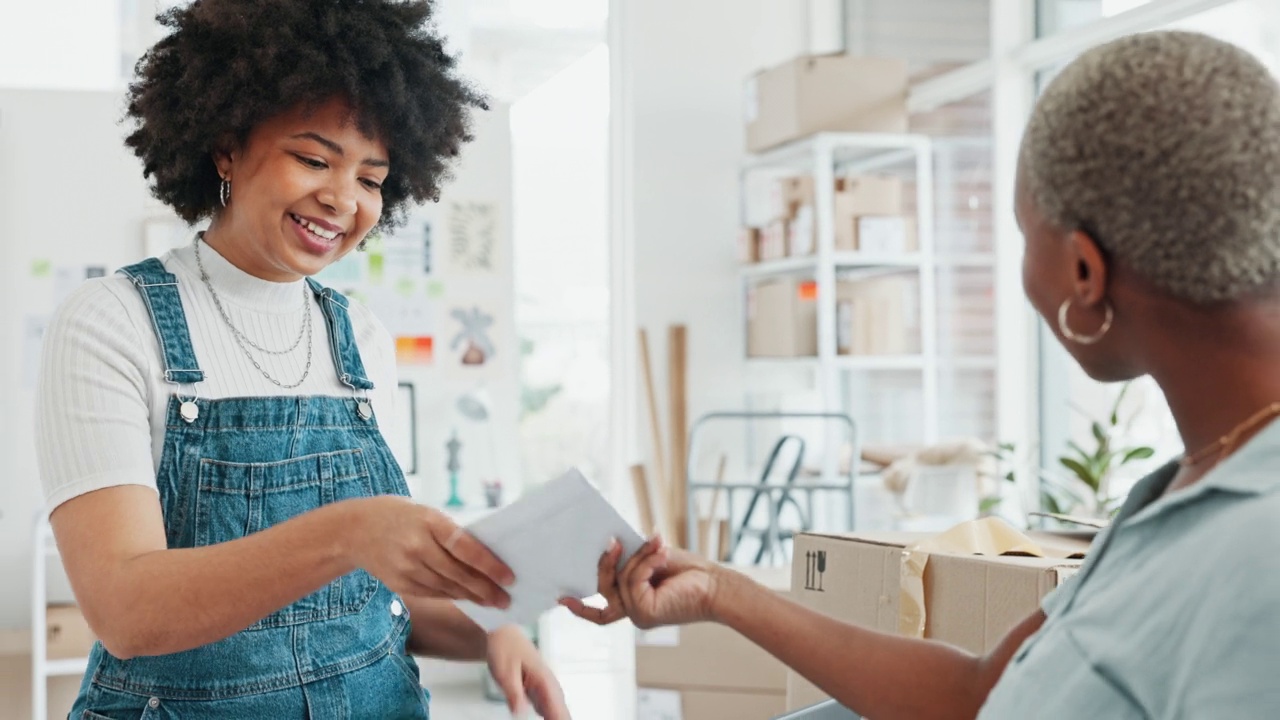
x=1071 y=335
x=224 y=192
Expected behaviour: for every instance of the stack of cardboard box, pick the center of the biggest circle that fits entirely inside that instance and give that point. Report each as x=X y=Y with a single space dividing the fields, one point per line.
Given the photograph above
x=866 y=217
x=709 y=672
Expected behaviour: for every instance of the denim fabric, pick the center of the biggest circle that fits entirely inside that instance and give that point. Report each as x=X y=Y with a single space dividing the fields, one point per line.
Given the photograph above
x=159 y=291
x=244 y=465
x=341 y=342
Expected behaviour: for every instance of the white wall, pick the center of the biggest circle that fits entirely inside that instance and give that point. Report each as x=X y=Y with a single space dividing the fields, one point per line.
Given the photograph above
x=680 y=73
x=61 y=44
x=71 y=195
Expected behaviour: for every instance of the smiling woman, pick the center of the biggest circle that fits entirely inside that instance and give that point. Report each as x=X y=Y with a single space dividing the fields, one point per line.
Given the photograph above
x=306 y=186
x=232 y=520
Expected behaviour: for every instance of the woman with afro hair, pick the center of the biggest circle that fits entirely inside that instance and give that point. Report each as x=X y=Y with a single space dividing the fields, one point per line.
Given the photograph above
x=234 y=525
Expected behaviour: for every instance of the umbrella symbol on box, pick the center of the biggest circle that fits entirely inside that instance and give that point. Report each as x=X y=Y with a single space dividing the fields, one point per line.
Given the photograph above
x=474 y=336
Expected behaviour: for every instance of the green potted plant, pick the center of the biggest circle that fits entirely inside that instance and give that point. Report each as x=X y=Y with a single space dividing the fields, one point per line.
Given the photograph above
x=1087 y=489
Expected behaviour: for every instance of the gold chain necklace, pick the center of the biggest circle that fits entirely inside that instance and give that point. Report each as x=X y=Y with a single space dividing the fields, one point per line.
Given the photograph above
x=1229 y=441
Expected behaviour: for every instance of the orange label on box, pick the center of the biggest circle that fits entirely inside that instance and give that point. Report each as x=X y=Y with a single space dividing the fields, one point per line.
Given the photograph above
x=808 y=290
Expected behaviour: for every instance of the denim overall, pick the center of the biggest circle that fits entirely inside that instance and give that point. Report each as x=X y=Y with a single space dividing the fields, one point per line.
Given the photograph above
x=243 y=465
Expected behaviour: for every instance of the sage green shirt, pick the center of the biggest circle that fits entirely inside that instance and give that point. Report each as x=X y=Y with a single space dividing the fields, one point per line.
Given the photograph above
x=1175 y=612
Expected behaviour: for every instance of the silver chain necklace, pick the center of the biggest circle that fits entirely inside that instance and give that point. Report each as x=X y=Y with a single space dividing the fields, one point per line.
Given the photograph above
x=302 y=327
x=240 y=338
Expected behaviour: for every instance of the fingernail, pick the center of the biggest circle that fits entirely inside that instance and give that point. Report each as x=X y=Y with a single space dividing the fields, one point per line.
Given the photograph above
x=614 y=544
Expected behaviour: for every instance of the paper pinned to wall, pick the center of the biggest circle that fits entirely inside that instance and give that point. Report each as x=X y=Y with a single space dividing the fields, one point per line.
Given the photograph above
x=473 y=236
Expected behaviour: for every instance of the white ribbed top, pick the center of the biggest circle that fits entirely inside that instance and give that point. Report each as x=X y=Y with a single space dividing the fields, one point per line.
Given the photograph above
x=101 y=400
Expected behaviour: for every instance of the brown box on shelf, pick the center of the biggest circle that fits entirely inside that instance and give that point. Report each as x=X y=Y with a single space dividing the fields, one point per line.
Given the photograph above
x=706 y=671
x=970 y=601
x=67 y=634
x=773 y=241
x=782 y=318
x=878 y=315
x=851 y=197
x=861 y=196
x=885 y=234
x=749 y=245
x=820 y=93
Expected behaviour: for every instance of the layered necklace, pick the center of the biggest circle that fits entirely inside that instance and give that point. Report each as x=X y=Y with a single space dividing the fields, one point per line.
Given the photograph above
x=245 y=342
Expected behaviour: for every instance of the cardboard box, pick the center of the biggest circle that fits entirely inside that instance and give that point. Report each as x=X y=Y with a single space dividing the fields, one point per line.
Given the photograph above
x=659 y=704
x=838 y=93
x=885 y=234
x=782 y=318
x=15 y=689
x=773 y=241
x=706 y=671
x=970 y=601
x=68 y=635
x=865 y=195
x=879 y=315
x=853 y=197
x=749 y=245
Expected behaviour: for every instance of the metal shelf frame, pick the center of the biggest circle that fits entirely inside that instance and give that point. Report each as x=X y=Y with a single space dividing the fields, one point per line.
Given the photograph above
x=823 y=156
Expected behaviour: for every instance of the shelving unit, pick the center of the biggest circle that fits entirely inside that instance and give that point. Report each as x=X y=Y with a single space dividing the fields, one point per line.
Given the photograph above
x=826 y=156
x=42 y=668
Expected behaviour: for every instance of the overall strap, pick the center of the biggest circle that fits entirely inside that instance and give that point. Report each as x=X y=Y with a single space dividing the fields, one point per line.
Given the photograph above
x=159 y=290
x=342 y=341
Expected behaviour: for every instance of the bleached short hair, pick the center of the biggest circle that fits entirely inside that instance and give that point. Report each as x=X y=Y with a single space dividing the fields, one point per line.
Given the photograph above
x=1165 y=148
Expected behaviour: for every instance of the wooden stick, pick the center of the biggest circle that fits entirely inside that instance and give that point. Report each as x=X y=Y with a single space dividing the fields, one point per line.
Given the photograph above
x=704 y=528
x=677 y=365
x=723 y=549
x=640 y=484
x=663 y=492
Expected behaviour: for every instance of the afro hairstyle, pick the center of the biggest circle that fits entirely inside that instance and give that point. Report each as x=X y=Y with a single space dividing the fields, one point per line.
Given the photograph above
x=228 y=65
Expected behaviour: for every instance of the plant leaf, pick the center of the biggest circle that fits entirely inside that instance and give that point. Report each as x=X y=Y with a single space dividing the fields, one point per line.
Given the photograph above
x=1079 y=469
x=1138 y=453
x=1099 y=433
x=989 y=503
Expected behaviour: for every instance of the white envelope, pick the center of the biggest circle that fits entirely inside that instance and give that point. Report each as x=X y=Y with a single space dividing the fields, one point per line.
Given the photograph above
x=552 y=539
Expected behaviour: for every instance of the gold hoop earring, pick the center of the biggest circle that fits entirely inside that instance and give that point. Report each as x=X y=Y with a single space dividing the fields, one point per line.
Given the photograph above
x=224 y=192
x=1071 y=335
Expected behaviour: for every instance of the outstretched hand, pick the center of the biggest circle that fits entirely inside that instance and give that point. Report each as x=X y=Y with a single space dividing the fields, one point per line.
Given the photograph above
x=657 y=586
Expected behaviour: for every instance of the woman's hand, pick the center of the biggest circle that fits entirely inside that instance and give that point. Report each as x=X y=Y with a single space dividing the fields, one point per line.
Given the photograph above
x=657 y=586
x=522 y=673
x=418 y=551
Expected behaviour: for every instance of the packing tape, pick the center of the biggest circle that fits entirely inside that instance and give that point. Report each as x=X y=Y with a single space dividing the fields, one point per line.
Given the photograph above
x=987 y=536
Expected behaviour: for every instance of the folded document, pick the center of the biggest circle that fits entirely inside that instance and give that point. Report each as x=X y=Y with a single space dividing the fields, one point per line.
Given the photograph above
x=552 y=539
